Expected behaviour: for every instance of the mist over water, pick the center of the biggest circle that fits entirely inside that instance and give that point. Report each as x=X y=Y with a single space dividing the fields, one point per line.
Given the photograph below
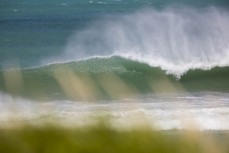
x=175 y=39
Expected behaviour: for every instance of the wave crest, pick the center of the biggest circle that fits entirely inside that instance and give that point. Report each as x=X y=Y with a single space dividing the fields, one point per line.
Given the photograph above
x=176 y=40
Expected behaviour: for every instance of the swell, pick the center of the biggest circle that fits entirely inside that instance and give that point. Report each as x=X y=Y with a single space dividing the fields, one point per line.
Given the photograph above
x=113 y=77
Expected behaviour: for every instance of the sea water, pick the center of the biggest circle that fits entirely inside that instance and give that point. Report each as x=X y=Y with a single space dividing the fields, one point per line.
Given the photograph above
x=164 y=61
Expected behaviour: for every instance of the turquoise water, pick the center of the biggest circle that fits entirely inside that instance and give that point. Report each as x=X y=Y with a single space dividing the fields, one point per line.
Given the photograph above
x=42 y=83
x=180 y=43
x=32 y=31
x=166 y=60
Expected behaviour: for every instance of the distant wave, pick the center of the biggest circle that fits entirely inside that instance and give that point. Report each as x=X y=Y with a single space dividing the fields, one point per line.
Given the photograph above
x=174 y=39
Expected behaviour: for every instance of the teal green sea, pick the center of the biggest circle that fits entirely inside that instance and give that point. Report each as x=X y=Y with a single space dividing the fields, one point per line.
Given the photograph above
x=183 y=44
x=43 y=82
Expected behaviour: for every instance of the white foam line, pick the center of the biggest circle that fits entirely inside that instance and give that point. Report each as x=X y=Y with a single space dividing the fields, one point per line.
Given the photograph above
x=122 y=113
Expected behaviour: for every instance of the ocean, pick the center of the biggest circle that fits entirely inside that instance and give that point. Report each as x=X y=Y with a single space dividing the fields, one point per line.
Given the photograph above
x=164 y=61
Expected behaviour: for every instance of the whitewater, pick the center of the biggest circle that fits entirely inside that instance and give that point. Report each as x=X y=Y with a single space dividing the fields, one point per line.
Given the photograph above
x=205 y=111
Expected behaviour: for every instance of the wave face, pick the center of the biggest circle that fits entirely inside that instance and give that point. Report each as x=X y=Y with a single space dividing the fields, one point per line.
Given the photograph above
x=102 y=78
x=174 y=39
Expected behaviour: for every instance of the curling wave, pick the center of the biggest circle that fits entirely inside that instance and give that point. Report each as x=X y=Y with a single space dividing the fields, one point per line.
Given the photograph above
x=174 y=39
x=103 y=77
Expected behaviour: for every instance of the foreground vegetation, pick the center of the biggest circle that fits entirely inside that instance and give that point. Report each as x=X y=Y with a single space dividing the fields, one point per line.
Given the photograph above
x=102 y=138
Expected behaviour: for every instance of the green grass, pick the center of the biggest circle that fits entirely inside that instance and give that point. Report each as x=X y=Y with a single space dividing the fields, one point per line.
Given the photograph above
x=102 y=138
